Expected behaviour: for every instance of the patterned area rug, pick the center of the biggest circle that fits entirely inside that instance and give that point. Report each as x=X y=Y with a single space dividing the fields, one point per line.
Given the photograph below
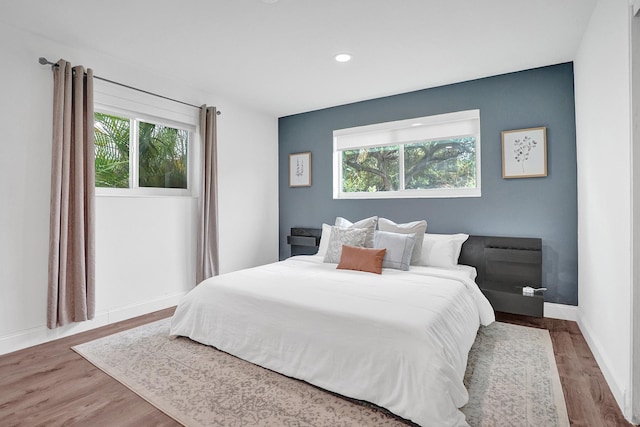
x=513 y=380
x=511 y=376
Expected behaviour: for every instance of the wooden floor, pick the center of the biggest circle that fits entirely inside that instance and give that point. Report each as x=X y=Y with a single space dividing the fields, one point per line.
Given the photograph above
x=51 y=385
x=588 y=397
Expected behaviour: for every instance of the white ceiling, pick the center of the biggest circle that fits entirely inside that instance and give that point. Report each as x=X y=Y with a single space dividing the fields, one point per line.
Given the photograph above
x=279 y=57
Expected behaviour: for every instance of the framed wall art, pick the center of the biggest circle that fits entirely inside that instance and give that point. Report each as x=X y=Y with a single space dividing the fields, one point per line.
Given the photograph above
x=300 y=169
x=524 y=153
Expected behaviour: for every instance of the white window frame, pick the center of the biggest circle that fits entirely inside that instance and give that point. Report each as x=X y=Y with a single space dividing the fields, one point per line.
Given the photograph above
x=421 y=129
x=139 y=107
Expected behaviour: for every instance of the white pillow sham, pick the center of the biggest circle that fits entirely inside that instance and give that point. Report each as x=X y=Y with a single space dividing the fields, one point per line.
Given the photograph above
x=368 y=224
x=442 y=250
x=416 y=227
x=324 y=240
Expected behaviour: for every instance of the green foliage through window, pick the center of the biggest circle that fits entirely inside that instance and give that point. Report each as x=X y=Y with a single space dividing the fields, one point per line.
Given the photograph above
x=370 y=169
x=112 y=150
x=161 y=152
x=448 y=163
x=163 y=156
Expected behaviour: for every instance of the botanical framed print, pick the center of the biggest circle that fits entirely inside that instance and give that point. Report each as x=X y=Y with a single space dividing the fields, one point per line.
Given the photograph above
x=300 y=169
x=524 y=153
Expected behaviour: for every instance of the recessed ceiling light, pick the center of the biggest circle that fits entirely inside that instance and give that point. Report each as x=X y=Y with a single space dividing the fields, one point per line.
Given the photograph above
x=343 y=57
x=269 y=1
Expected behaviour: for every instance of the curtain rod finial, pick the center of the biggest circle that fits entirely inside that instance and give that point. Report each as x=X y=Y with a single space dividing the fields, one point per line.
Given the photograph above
x=43 y=61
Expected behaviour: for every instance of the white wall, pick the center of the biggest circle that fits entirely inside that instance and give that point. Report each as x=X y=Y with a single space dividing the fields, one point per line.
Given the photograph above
x=635 y=110
x=602 y=87
x=145 y=247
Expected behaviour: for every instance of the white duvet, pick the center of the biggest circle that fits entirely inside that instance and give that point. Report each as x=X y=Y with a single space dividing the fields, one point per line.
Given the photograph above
x=399 y=339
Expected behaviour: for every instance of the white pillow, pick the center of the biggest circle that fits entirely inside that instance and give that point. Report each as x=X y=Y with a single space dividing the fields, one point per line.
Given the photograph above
x=324 y=239
x=442 y=250
x=399 y=249
x=343 y=236
x=416 y=227
x=368 y=224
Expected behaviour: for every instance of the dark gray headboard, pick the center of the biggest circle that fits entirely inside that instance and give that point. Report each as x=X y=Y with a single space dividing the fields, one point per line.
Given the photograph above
x=497 y=259
x=515 y=260
x=504 y=266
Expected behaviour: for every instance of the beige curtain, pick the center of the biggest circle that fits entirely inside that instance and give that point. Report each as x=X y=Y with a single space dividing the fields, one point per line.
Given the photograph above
x=71 y=237
x=208 y=263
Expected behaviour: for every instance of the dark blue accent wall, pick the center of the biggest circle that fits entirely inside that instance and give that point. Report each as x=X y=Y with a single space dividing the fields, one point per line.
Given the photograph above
x=531 y=207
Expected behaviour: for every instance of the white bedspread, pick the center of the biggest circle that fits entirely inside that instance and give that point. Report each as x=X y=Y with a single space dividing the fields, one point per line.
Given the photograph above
x=399 y=340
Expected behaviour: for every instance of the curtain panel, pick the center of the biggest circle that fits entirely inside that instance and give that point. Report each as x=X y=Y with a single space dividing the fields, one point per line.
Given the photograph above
x=71 y=291
x=208 y=261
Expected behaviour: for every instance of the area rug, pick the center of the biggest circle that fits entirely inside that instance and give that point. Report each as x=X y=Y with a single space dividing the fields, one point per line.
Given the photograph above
x=512 y=380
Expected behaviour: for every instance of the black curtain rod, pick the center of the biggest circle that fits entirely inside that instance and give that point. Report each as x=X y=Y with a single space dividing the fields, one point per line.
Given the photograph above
x=44 y=61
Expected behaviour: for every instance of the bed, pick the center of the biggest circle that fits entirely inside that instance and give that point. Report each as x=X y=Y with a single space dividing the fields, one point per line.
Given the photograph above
x=399 y=339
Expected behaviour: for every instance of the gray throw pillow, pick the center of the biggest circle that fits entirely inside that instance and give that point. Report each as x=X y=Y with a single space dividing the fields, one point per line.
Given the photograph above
x=343 y=236
x=399 y=249
x=368 y=224
x=416 y=227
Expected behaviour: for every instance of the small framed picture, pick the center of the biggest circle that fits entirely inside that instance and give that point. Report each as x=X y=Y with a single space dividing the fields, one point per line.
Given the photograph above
x=524 y=153
x=300 y=169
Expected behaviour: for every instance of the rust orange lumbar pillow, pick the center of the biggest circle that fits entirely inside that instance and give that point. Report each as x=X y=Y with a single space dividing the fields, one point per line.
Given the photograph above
x=362 y=259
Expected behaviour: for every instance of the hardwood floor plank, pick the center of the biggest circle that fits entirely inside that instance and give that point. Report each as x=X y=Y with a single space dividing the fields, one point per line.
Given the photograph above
x=604 y=402
x=51 y=385
x=563 y=344
x=585 y=356
x=579 y=408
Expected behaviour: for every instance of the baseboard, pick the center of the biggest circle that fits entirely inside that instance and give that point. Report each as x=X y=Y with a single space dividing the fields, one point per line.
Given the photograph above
x=561 y=311
x=41 y=334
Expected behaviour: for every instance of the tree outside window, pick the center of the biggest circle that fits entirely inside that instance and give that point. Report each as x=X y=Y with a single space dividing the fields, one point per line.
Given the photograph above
x=160 y=153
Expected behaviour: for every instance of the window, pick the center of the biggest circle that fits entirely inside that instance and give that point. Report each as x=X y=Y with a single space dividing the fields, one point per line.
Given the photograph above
x=136 y=153
x=434 y=156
